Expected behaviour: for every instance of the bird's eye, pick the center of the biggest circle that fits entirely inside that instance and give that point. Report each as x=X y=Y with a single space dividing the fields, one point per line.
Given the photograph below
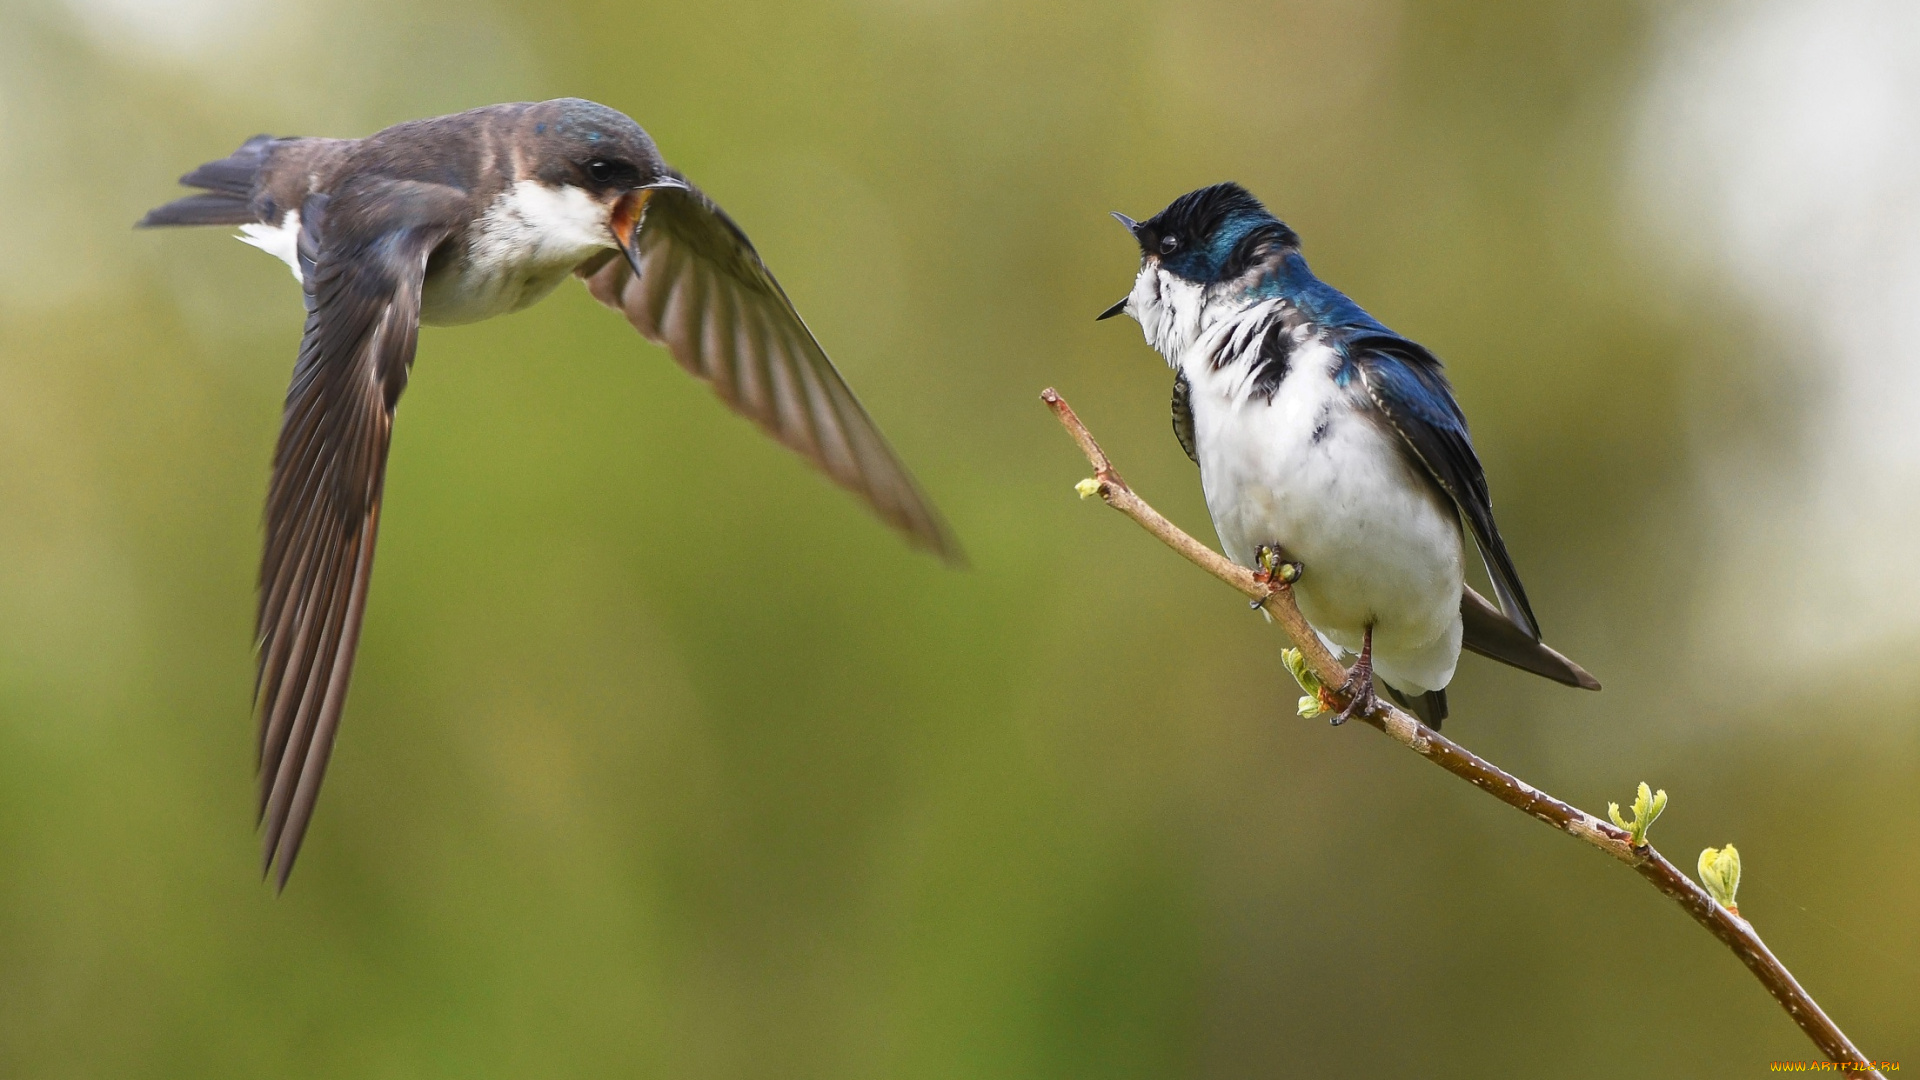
x=1168 y=244
x=600 y=170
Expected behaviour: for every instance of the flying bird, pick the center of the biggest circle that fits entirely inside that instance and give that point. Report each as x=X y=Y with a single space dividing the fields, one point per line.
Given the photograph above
x=455 y=219
x=1332 y=441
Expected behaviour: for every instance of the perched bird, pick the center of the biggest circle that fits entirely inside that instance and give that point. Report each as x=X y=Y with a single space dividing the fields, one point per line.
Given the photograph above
x=453 y=220
x=1332 y=441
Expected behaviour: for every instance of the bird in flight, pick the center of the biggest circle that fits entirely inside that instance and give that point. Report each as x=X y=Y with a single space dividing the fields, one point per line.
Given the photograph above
x=451 y=220
x=1325 y=438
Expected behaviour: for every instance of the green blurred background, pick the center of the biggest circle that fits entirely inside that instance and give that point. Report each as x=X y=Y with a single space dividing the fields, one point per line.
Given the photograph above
x=664 y=760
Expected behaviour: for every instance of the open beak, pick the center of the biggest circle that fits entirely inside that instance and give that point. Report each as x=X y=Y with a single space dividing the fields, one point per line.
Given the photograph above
x=1121 y=307
x=631 y=213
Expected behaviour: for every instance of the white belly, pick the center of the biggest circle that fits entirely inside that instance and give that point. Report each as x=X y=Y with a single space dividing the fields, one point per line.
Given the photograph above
x=469 y=291
x=524 y=246
x=526 y=243
x=1306 y=471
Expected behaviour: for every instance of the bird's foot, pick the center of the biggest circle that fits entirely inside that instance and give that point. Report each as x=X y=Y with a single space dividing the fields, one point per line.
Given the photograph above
x=1273 y=570
x=1358 y=689
x=1360 y=697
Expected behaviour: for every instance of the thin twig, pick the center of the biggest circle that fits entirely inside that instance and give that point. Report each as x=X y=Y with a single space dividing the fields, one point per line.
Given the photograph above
x=1276 y=598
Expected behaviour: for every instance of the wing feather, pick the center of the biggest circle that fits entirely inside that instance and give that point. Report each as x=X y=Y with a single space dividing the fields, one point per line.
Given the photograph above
x=1488 y=631
x=1405 y=383
x=704 y=294
x=363 y=282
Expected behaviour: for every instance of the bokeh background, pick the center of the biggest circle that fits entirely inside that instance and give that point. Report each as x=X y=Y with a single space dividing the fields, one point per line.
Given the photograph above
x=664 y=760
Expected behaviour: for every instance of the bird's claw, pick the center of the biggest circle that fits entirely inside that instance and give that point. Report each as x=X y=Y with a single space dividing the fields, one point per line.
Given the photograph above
x=1273 y=570
x=1358 y=689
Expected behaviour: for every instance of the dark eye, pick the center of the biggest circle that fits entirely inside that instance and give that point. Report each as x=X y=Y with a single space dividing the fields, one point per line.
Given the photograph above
x=601 y=171
x=1168 y=244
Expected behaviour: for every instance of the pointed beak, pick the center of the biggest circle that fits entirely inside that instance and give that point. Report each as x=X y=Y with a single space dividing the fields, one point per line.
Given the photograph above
x=625 y=225
x=1121 y=307
x=631 y=213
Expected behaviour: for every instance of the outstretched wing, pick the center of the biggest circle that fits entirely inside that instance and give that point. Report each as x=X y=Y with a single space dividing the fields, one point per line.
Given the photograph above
x=1405 y=383
x=704 y=294
x=363 y=278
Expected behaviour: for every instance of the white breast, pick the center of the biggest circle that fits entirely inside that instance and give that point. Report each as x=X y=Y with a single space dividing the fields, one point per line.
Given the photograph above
x=1170 y=311
x=1309 y=471
x=525 y=244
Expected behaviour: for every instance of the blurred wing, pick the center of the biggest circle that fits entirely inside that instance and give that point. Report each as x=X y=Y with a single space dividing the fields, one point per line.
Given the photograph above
x=1405 y=383
x=704 y=294
x=323 y=505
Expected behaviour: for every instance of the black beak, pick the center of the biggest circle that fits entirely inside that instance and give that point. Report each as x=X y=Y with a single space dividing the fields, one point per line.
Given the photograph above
x=1121 y=307
x=626 y=227
x=631 y=249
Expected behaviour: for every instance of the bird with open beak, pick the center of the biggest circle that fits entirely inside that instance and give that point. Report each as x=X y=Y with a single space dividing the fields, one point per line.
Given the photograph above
x=453 y=220
x=1331 y=441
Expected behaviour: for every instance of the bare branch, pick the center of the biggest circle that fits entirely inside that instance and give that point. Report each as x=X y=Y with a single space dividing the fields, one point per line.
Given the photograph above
x=1276 y=599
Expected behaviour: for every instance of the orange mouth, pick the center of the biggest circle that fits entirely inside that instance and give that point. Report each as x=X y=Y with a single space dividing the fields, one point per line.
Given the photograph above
x=628 y=214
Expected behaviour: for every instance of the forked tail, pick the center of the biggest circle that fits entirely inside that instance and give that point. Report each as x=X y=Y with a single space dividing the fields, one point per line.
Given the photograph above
x=226 y=195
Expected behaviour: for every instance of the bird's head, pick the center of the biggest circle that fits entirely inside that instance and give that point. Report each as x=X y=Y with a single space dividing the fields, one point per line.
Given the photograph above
x=1202 y=239
x=601 y=153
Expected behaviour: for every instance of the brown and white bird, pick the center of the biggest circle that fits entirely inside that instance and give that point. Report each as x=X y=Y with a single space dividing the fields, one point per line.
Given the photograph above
x=453 y=220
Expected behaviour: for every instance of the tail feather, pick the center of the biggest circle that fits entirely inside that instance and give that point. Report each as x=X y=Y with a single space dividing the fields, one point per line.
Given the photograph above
x=1488 y=631
x=234 y=173
x=227 y=187
x=206 y=208
x=1430 y=707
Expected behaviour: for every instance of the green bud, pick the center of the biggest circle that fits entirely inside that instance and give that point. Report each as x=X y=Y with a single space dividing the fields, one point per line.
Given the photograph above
x=1087 y=488
x=1656 y=806
x=1269 y=560
x=1647 y=806
x=1720 y=873
x=1296 y=662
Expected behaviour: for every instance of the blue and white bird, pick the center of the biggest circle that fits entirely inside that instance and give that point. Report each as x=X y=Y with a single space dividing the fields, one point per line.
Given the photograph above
x=1333 y=442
